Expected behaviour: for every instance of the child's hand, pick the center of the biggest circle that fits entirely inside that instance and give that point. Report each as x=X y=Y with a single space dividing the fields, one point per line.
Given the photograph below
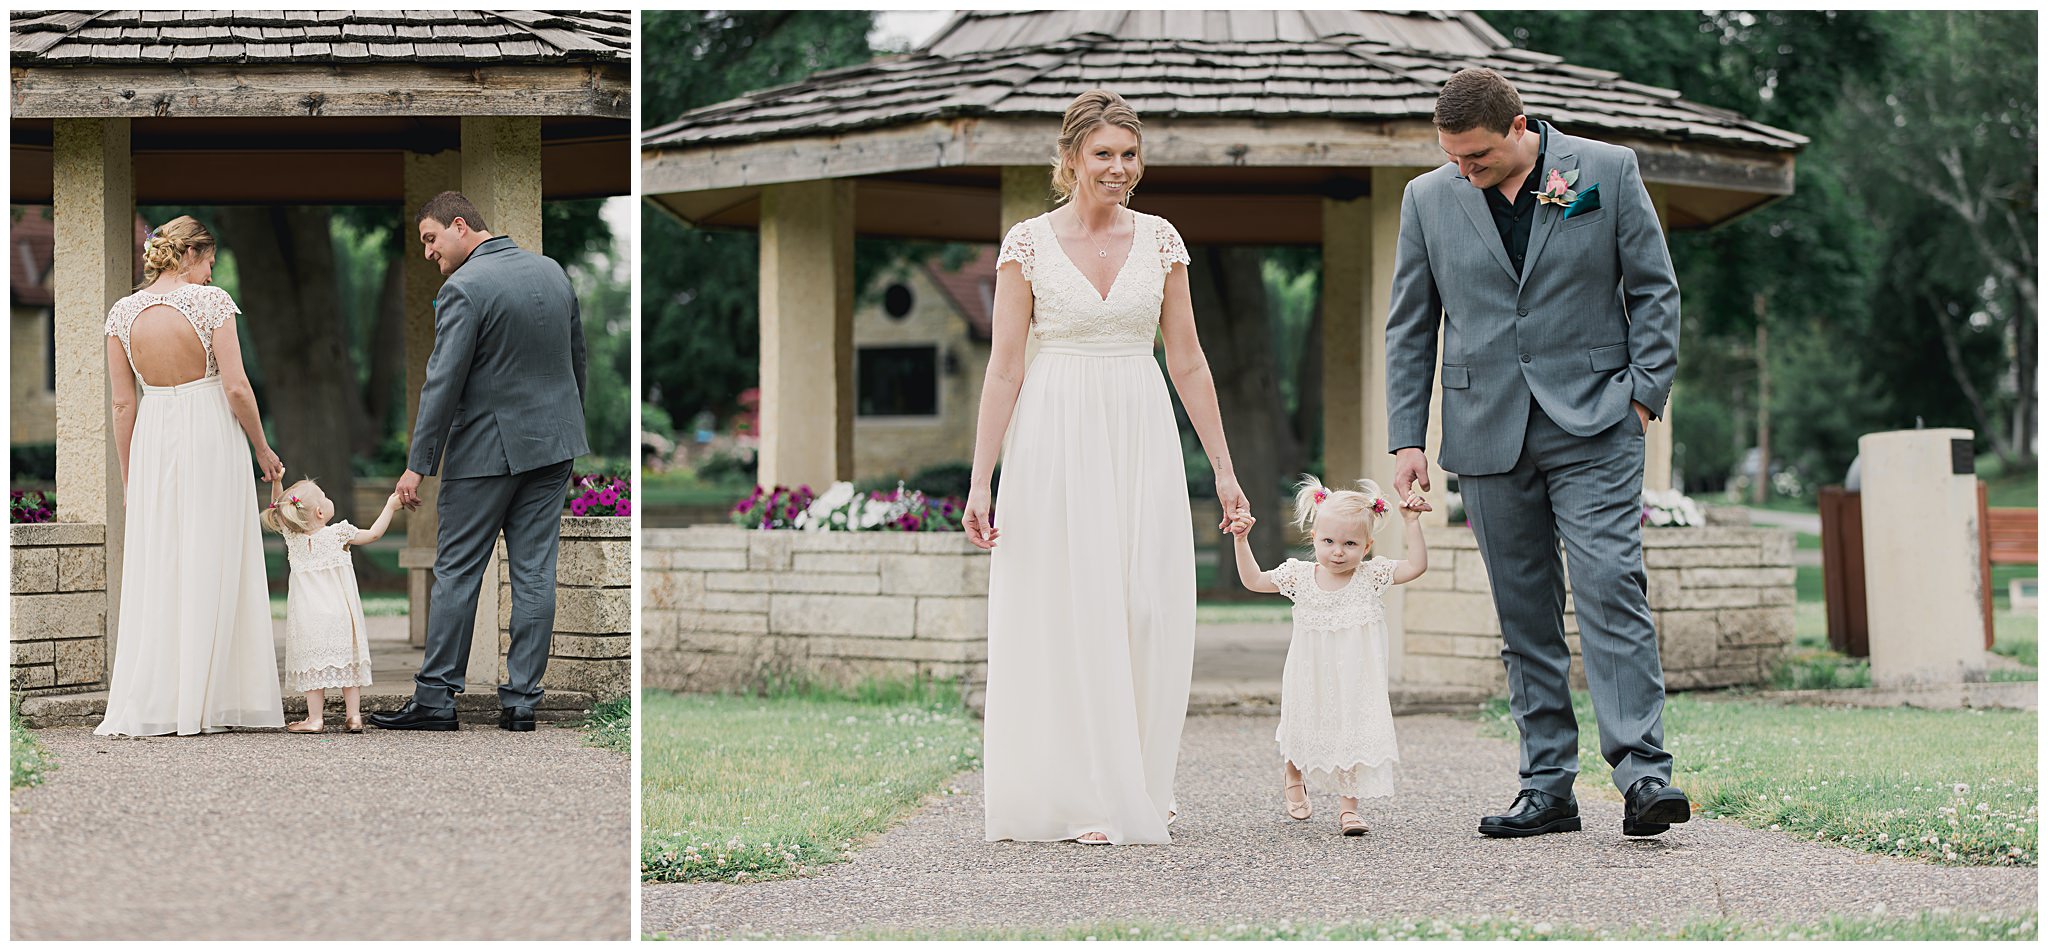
x=1413 y=507
x=391 y=503
x=1242 y=525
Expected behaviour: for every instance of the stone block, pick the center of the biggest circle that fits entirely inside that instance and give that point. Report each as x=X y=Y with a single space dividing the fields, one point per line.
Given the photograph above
x=1693 y=578
x=595 y=564
x=686 y=622
x=1442 y=573
x=892 y=648
x=82 y=569
x=872 y=616
x=1451 y=612
x=1756 y=626
x=602 y=679
x=739 y=581
x=1784 y=595
x=853 y=671
x=656 y=559
x=1664 y=590
x=947 y=543
x=950 y=575
x=1485 y=674
x=679 y=589
x=82 y=661
x=50 y=534
x=1696 y=598
x=1775 y=547
x=1731 y=556
x=39 y=617
x=689 y=671
x=1471 y=574
x=35 y=570
x=1453 y=645
x=709 y=559
x=824 y=583
x=736 y=601
x=872 y=543
x=953 y=619
x=811 y=563
x=1689 y=647
x=770 y=551
x=1449 y=538
x=593 y=610
x=592 y=646
x=33 y=678
x=1701 y=537
x=698 y=538
x=598 y=527
x=34 y=652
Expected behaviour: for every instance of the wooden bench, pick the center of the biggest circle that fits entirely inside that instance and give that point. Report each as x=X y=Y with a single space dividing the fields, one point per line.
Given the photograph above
x=2013 y=536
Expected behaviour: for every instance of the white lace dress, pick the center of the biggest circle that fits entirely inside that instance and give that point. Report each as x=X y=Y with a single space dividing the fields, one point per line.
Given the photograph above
x=1092 y=586
x=193 y=651
x=324 y=633
x=1336 y=725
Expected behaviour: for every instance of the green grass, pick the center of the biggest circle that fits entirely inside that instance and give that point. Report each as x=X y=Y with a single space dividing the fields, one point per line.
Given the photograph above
x=681 y=488
x=25 y=753
x=1966 y=795
x=741 y=789
x=2016 y=490
x=1273 y=610
x=2016 y=637
x=1806 y=582
x=610 y=726
x=1806 y=541
x=1923 y=927
x=1819 y=669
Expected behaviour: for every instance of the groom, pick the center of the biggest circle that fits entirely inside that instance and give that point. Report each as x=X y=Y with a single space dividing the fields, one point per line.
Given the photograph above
x=500 y=420
x=1541 y=256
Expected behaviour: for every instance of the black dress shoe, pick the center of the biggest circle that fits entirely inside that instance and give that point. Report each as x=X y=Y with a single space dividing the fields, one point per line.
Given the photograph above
x=1533 y=813
x=516 y=719
x=1652 y=806
x=412 y=716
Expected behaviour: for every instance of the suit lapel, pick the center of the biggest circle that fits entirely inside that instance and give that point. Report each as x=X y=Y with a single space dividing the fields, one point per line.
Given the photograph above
x=1473 y=200
x=1547 y=216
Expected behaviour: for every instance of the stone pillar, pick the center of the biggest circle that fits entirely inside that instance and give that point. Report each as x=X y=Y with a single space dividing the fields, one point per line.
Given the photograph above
x=1359 y=240
x=1921 y=557
x=425 y=177
x=1657 y=444
x=501 y=176
x=806 y=333
x=1026 y=194
x=93 y=220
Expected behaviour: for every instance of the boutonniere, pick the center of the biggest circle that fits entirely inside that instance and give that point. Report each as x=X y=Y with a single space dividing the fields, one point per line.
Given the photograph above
x=1557 y=188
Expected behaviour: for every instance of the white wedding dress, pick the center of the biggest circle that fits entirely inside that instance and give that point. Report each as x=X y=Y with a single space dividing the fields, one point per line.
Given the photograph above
x=1091 y=602
x=194 y=652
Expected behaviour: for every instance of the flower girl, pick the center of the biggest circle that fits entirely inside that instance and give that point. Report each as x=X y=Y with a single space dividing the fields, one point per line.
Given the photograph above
x=1335 y=721
x=325 y=644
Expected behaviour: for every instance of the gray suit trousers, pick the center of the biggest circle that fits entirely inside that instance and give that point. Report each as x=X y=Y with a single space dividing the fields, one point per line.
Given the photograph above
x=527 y=507
x=1584 y=490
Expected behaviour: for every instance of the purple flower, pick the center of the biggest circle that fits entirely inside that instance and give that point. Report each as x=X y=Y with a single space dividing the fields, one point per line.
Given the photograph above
x=608 y=497
x=625 y=508
x=577 y=507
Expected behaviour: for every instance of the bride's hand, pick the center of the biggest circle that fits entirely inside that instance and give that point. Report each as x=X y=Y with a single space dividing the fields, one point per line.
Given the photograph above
x=273 y=468
x=980 y=526
x=1232 y=499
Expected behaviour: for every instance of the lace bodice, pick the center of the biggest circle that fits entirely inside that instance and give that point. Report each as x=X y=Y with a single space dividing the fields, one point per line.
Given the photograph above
x=1356 y=604
x=321 y=549
x=205 y=306
x=1068 y=309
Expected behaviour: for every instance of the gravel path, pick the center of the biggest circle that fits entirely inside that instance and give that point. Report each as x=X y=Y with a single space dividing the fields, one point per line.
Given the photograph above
x=1236 y=857
x=385 y=835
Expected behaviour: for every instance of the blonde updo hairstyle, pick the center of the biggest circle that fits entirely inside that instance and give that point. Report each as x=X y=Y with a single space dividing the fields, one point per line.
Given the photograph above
x=1090 y=111
x=1313 y=499
x=294 y=513
x=164 y=252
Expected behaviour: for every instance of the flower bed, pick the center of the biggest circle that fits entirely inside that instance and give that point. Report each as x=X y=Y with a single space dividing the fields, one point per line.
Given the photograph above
x=844 y=508
x=600 y=495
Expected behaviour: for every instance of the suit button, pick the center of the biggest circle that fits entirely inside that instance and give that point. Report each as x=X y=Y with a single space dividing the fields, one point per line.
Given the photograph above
x=1525 y=358
x=1523 y=313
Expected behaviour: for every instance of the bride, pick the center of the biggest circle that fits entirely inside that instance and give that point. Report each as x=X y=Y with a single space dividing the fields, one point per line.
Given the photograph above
x=194 y=652
x=1091 y=602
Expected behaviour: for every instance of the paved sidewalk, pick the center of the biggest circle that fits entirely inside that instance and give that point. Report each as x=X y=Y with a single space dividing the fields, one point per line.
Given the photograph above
x=384 y=835
x=1236 y=857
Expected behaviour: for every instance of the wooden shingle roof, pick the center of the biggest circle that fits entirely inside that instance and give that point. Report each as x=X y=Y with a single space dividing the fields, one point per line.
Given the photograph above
x=196 y=37
x=1253 y=65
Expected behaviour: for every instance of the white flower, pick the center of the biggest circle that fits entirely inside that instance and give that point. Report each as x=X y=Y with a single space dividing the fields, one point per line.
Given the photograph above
x=1962 y=789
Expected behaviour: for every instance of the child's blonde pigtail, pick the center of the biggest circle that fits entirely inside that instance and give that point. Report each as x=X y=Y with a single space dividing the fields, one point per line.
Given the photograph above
x=1308 y=494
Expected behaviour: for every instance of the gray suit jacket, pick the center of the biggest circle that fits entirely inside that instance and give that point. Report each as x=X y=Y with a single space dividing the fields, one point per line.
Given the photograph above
x=504 y=390
x=1591 y=324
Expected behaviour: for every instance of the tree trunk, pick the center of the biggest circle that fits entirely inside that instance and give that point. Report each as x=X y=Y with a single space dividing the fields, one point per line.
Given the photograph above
x=1761 y=491
x=285 y=260
x=385 y=387
x=1231 y=314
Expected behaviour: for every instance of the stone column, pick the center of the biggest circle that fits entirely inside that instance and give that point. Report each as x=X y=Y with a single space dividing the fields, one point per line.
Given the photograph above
x=501 y=176
x=806 y=333
x=1921 y=557
x=93 y=220
x=1026 y=193
x=425 y=177
x=1657 y=444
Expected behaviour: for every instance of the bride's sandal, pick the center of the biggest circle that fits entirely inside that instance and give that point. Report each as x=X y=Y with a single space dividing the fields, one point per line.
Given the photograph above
x=1297 y=809
x=1349 y=824
x=319 y=726
x=1092 y=838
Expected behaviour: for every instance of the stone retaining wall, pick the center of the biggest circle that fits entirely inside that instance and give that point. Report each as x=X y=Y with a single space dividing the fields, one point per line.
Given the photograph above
x=59 y=598
x=592 y=651
x=1721 y=598
x=728 y=608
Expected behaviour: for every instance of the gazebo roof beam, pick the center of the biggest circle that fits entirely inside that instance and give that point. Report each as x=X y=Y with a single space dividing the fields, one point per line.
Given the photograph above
x=328 y=89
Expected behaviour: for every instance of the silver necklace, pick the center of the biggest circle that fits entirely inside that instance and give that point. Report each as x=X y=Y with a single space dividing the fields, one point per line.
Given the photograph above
x=1100 y=250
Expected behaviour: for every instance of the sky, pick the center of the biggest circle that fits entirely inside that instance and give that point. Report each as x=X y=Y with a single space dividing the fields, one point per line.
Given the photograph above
x=905 y=29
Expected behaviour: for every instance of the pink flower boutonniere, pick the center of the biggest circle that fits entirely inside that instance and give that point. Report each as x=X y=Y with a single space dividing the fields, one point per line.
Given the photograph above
x=1557 y=188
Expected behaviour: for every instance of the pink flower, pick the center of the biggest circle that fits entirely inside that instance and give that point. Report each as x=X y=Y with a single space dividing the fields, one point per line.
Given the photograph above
x=1379 y=506
x=608 y=497
x=625 y=508
x=577 y=507
x=1556 y=182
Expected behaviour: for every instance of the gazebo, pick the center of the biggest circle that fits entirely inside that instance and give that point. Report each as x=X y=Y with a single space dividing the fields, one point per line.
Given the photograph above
x=1261 y=128
x=111 y=109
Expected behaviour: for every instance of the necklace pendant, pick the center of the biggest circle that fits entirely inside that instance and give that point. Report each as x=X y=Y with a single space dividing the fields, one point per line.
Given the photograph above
x=1101 y=253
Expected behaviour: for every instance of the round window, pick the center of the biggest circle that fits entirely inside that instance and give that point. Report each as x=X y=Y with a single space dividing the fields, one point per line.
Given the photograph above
x=897 y=301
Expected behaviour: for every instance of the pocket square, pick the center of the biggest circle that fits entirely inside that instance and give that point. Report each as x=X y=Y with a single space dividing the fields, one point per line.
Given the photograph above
x=1589 y=201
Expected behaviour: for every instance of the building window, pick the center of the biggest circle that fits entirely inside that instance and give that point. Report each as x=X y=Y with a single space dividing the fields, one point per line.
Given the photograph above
x=897 y=381
x=897 y=301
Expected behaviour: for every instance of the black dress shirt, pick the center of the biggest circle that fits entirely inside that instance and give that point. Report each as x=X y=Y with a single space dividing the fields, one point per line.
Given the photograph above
x=1513 y=218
